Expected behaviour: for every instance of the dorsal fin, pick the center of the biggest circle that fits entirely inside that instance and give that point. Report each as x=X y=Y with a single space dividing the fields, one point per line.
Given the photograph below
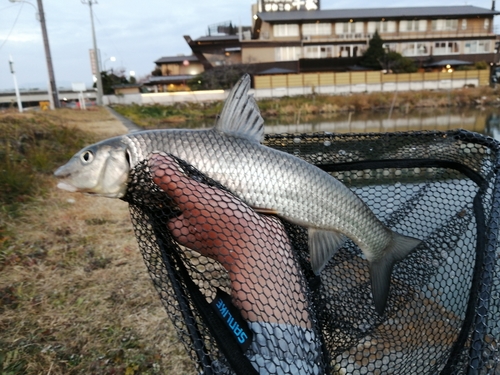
x=240 y=115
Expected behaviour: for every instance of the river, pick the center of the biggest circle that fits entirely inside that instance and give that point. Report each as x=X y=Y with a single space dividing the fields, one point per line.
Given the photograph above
x=481 y=120
x=484 y=121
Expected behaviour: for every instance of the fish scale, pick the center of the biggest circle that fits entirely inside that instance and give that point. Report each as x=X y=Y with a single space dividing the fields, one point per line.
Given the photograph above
x=269 y=180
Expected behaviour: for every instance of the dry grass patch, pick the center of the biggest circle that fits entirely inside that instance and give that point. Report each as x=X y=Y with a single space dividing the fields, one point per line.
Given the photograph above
x=75 y=295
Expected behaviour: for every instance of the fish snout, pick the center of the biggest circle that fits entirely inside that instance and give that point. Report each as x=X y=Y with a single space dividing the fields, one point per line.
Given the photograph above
x=61 y=172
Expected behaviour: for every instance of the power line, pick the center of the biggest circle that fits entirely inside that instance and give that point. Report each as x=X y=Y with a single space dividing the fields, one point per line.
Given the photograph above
x=111 y=41
x=13 y=25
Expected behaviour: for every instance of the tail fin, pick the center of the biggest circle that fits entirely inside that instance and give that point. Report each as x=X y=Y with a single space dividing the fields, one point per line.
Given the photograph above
x=380 y=270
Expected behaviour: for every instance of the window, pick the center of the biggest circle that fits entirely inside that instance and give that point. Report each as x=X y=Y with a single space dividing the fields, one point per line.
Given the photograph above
x=287 y=53
x=444 y=25
x=464 y=24
x=415 y=49
x=348 y=51
x=348 y=27
x=391 y=47
x=286 y=30
x=318 y=52
x=486 y=24
x=382 y=27
x=451 y=25
x=317 y=29
x=446 y=48
x=412 y=25
x=477 y=46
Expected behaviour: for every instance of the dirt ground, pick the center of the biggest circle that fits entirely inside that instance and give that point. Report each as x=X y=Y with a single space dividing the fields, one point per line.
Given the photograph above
x=75 y=295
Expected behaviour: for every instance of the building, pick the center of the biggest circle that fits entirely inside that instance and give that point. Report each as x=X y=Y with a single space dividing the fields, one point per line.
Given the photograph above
x=222 y=47
x=127 y=88
x=298 y=36
x=173 y=72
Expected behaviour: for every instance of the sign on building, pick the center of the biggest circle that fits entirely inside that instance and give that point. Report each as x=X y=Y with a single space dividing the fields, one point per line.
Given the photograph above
x=289 y=5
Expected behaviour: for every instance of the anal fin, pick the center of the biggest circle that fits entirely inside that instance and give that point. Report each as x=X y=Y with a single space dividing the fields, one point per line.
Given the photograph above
x=322 y=247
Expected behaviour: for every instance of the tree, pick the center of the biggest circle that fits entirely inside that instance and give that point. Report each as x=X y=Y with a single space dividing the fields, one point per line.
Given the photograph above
x=375 y=53
x=221 y=77
x=397 y=63
x=156 y=72
x=110 y=80
x=376 y=57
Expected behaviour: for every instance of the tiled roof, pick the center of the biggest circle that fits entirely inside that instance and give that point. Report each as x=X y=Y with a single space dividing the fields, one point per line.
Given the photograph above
x=378 y=13
x=218 y=38
x=452 y=62
x=168 y=79
x=176 y=59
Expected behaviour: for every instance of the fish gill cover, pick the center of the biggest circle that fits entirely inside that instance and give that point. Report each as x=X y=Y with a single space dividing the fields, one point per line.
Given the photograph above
x=443 y=312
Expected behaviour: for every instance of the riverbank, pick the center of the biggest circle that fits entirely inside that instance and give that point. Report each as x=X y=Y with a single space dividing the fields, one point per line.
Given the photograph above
x=288 y=109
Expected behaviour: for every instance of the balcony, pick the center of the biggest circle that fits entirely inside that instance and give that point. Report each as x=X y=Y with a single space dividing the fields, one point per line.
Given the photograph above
x=409 y=35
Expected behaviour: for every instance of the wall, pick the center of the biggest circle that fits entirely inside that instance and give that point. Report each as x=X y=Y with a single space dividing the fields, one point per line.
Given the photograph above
x=126 y=90
x=320 y=83
x=166 y=97
x=179 y=69
x=252 y=55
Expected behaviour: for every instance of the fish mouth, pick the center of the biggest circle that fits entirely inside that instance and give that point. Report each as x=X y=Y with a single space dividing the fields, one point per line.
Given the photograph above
x=67 y=187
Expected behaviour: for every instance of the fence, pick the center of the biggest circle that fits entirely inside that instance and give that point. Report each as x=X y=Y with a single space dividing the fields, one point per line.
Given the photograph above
x=366 y=81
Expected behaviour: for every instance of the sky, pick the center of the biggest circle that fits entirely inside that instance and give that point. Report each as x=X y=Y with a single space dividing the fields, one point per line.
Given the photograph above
x=133 y=33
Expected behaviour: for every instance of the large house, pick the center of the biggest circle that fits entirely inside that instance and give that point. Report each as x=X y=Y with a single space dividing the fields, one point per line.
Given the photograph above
x=296 y=35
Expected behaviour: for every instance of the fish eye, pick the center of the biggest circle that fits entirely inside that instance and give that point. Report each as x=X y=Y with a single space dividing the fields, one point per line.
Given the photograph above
x=87 y=157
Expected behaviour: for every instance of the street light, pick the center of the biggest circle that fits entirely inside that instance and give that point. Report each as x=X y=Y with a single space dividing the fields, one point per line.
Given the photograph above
x=112 y=59
x=52 y=81
x=19 y=102
x=96 y=55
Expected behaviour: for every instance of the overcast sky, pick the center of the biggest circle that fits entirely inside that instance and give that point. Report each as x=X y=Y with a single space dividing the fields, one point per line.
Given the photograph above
x=135 y=33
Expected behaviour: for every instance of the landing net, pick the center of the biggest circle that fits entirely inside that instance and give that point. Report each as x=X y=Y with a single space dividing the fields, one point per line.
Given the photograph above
x=442 y=315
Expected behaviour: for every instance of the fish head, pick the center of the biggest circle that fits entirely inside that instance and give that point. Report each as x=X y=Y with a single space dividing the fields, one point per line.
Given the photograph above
x=101 y=169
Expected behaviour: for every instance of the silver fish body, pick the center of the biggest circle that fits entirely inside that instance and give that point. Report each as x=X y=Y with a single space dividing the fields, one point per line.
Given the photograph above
x=266 y=179
x=270 y=179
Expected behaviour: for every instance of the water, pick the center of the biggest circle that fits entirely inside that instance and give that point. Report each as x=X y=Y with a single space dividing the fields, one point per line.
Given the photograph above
x=484 y=121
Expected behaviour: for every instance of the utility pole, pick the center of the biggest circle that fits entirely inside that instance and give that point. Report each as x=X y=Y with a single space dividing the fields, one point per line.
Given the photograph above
x=48 y=56
x=96 y=54
x=54 y=96
x=18 y=96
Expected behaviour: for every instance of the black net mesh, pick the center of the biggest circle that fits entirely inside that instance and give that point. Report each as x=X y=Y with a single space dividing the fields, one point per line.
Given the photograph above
x=442 y=315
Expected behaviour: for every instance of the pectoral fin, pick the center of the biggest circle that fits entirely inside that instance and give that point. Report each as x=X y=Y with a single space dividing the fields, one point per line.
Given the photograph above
x=322 y=246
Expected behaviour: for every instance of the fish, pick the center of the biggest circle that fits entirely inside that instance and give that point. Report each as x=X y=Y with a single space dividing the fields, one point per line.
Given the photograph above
x=268 y=180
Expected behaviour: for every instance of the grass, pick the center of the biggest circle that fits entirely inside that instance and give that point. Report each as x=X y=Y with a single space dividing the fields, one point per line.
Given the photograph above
x=31 y=147
x=156 y=115
x=75 y=296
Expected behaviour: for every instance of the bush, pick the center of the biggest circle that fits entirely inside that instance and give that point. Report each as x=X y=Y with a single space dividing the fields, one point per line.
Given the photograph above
x=30 y=148
x=222 y=77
